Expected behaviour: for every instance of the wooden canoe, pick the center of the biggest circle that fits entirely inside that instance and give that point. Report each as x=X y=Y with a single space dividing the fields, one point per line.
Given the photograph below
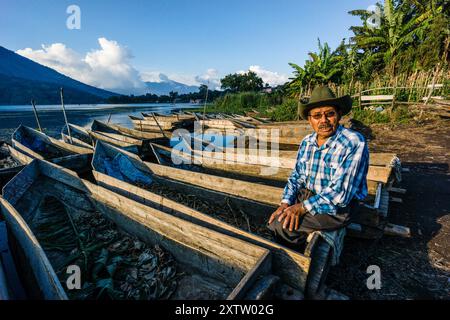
x=376 y=205
x=29 y=144
x=272 y=169
x=147 y=124
x=79 y=136
x=169 y=118
x=227 y=267
x=114 y=128
x=128 y=139
x=292 y=267
x=257 y=201
x=79 y=163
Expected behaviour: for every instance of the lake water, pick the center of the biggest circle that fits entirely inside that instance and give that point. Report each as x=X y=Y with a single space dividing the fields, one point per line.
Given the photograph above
x=52 y=119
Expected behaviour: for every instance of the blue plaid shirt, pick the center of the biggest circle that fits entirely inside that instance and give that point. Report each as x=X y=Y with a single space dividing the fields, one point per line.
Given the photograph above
x=336 y=171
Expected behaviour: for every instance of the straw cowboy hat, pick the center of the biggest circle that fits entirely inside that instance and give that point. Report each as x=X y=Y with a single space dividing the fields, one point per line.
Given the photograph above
x=323 y=96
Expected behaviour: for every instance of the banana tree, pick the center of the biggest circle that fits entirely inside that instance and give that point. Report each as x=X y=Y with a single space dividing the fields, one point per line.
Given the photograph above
x=400 y=26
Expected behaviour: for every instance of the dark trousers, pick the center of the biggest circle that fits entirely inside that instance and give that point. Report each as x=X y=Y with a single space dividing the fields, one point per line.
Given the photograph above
x=309 y=223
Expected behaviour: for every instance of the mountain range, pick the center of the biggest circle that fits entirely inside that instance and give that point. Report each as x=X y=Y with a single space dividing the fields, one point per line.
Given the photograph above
x=22 y=80
x=166 y=85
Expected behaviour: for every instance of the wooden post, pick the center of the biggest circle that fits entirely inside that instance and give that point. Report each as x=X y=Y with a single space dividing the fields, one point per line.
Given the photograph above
x=162 y=131
x=36 y=115
x=433 y=82
x=204 y=106
x=394 y=93
x=359 y=99
x=65 y=116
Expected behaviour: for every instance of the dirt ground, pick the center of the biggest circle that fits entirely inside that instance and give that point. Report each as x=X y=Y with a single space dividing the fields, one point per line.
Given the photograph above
x=416 y=267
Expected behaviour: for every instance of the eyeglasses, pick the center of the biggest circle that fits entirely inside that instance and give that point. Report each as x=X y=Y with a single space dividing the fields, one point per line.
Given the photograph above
x=328 y=115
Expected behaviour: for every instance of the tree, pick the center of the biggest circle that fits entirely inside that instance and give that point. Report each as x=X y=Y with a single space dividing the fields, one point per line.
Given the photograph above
x=173 y=96
x=323 y=67
x=401 y=26
x=242 y=82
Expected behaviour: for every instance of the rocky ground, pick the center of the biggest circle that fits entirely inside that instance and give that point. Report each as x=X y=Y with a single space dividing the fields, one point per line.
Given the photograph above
x=417 y=267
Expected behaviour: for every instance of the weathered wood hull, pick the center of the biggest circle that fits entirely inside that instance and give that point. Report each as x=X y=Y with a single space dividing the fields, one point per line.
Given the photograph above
x=169 y=118
x=267 y=167
x=148 y=124
x=257 y=200
x=232 y=262
x=374 y=208
x=24 y=149
x=135 y=133
x=78 y=136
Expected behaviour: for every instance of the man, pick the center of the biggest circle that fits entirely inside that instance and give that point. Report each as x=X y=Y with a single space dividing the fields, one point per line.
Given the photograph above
x=329 y=176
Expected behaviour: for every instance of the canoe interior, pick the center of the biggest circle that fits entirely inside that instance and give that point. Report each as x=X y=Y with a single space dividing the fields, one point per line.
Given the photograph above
x=134 y=177
x=80 y=135
x=228 y=267
x=136 y=133
x=38 y=143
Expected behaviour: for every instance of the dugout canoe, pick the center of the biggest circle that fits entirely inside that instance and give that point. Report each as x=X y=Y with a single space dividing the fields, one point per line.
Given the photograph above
x=79 y=136
x=264 y=168
x=99 y=131
x=379 y=180
x=227 y=267
x=117 y=129
x=170 y=117
x=126 y=174
x=147 y=124
x=29 y=144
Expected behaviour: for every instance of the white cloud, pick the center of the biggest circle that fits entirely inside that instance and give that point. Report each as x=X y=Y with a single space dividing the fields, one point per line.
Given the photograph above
x=270 y=77
x=152 y=76
x=108 y=67
x=210 y=78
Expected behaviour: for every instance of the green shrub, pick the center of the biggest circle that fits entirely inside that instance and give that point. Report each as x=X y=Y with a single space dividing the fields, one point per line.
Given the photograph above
x=286 y=111
x=399 y=114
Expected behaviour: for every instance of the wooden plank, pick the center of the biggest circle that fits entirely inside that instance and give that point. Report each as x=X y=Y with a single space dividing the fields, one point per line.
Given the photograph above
x=397 y=200
x=396 y=230
x=377 y=97
x=397 y=190
x=381 y=158
x=379 y=174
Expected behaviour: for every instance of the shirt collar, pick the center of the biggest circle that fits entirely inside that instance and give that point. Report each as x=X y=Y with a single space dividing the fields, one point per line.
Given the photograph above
x=313 y=138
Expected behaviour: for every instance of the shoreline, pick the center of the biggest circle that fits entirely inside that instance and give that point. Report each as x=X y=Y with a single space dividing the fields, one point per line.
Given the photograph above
x=52 y=121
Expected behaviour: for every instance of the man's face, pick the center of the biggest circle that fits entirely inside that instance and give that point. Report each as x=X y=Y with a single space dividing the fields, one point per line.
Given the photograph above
x=324 y=121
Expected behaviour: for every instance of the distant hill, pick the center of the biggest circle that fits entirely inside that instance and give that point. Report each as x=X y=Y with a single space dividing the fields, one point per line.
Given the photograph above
x=166 y=85
x=22 y=79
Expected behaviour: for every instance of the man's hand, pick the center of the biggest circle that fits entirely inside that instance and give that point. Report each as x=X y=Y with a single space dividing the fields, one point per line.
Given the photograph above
x=278 y=212
x=291 y=216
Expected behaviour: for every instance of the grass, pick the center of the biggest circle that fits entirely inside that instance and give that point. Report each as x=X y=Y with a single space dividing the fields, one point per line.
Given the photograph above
x=275 y=107
x=399 y=114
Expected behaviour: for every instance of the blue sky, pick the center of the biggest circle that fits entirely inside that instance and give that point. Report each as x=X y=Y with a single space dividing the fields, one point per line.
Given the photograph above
x=185 y=38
